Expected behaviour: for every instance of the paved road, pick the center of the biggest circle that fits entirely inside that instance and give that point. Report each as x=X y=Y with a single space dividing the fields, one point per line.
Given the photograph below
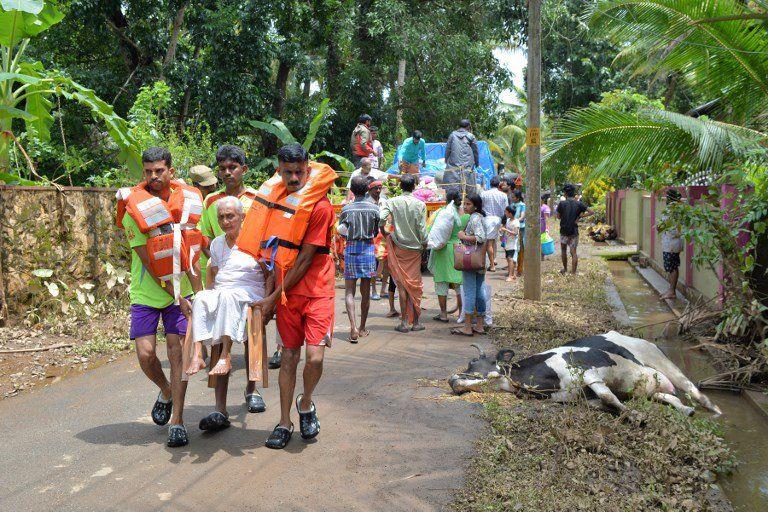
x=88 y=443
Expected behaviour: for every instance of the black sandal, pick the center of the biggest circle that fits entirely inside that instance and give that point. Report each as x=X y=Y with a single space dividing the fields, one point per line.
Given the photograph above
x=279 y=437
x=177 y=436
x=459 y=332
x=275 y=360
x=214 y=422
x=309 y=426
x=444 y=320
x=161 y=411
x=255 y=402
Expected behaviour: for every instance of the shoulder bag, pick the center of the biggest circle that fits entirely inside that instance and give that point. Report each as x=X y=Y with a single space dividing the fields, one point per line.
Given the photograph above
x=469 y=257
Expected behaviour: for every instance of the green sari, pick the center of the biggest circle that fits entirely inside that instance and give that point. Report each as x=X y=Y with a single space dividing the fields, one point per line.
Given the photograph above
x=441 y=260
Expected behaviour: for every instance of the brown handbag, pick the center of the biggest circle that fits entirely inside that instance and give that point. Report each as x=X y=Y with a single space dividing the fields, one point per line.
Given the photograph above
x=469 y=257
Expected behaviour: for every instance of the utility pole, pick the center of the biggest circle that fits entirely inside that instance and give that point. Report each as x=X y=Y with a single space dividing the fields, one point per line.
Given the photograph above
x=532 y=263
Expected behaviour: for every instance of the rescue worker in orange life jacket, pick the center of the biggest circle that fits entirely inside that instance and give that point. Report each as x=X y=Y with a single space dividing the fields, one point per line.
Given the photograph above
x=150 y=212
x=290 y=225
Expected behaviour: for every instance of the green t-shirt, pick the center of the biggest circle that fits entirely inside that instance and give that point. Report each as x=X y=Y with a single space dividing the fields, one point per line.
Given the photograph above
x=144 y=290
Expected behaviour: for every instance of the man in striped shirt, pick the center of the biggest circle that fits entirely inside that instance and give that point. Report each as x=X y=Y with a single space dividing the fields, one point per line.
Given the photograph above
x=358 y=223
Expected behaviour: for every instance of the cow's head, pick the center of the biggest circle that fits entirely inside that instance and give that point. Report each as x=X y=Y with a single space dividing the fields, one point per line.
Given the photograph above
x=480 y=370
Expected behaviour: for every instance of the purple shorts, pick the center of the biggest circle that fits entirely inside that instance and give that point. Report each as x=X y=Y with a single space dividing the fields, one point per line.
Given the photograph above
x=145 y=319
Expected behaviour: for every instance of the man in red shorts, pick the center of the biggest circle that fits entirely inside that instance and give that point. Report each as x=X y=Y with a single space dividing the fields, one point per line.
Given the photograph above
x=306 y=312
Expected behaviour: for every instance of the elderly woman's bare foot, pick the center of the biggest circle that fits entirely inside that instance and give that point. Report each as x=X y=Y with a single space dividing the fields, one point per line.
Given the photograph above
x=197 y=364
x=222 y=367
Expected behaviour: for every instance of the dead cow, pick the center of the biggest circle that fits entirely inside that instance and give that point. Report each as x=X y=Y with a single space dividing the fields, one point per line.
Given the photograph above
x=604 y=366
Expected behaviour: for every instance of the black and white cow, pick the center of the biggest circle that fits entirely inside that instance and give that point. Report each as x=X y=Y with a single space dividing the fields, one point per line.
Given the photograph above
x=605 y=366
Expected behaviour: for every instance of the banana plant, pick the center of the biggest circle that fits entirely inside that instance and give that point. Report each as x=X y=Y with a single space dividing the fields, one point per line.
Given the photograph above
x=284 y=135
x=27 y=89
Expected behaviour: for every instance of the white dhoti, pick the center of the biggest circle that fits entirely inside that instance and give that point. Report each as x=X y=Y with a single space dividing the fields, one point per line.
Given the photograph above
x=223 y=311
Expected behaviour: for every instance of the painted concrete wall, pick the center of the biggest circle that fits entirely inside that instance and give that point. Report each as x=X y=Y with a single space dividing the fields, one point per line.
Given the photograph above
x=635 y=214
x=630 y=211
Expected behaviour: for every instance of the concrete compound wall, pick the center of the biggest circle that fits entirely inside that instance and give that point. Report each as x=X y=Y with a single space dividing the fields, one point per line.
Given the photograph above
x=634 y=214
x=70 y=230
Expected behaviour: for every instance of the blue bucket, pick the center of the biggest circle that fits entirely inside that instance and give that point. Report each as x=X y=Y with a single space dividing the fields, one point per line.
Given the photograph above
x=548 y=248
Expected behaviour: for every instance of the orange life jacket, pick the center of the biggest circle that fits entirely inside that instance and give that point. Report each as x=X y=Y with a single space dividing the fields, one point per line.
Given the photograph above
x=246 y=198
x=277 y=221
x=173 y=240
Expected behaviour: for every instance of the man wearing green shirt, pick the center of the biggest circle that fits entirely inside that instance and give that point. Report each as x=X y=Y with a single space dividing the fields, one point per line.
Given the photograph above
x=411 y=151
x=408 y=215
x=151 y=300
x=230 y=161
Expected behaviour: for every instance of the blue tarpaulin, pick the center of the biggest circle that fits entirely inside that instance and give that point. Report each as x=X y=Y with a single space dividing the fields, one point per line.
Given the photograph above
x=436 y=162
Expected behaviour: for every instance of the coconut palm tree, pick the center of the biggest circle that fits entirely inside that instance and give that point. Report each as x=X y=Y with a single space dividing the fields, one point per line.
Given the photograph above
x=720 y=47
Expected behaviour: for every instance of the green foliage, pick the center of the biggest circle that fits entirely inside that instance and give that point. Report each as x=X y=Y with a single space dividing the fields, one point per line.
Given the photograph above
x=26 y=87
x=617 y=143
x=627 y=100
x=144 y=115
x=724 y=59
x=284 y=135
x=726 y=228
x=22 y=19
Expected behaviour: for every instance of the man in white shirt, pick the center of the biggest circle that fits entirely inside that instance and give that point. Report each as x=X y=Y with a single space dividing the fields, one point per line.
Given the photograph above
x=495 y=202
x=366 y=170
x=377 y=159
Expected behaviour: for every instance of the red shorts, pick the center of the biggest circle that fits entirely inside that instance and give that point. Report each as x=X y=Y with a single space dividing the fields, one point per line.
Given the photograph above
x=305 y=318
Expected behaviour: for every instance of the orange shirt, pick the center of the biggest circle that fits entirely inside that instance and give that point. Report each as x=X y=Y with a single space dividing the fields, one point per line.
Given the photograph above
x=319 y=280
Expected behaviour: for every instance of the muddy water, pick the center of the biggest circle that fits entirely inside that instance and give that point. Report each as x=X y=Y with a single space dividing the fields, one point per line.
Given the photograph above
x=744 y=428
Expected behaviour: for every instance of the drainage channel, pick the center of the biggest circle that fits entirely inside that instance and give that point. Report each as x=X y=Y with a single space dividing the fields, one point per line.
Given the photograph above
x=744 y=428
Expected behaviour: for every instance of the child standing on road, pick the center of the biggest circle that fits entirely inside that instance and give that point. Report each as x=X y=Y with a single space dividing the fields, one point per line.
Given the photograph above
x=512 y=231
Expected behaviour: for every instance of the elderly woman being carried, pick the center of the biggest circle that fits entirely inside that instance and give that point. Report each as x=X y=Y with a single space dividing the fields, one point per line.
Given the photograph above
x=233 y=282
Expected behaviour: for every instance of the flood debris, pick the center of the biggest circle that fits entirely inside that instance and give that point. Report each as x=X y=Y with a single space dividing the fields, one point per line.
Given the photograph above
x=43 y=354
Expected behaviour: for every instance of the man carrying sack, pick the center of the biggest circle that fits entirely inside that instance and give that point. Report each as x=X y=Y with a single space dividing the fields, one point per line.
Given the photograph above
x=288 y=231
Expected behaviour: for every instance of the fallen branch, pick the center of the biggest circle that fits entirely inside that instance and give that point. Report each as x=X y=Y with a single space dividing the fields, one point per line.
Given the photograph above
x=36 y=349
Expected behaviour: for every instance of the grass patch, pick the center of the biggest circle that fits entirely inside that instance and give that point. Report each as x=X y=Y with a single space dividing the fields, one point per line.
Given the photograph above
x=617 y=256
x=571 y=307
x=543 y=456
x=102 y=346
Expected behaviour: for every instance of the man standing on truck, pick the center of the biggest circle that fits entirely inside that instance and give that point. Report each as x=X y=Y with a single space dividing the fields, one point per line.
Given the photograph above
x=360 y=142
x=411 y=151
x=461 y=155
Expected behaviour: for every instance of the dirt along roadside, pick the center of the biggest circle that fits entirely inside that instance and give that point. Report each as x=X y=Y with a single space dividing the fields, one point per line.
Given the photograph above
x=548 y=457
x=42 y=355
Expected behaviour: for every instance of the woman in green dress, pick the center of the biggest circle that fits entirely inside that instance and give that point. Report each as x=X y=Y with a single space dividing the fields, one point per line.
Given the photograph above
x=443 y=233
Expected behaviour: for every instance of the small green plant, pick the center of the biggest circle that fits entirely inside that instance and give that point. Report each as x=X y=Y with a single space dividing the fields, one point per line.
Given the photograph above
x=279 y=130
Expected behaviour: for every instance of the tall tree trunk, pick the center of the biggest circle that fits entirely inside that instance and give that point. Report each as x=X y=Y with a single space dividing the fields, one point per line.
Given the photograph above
x=671 y=89
x=400 y=86
x=332 y=65
x=170 y=53
x=187 y=93
x=269 y=142
x=281 y=86
x=307 y=87
x=132 y=54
